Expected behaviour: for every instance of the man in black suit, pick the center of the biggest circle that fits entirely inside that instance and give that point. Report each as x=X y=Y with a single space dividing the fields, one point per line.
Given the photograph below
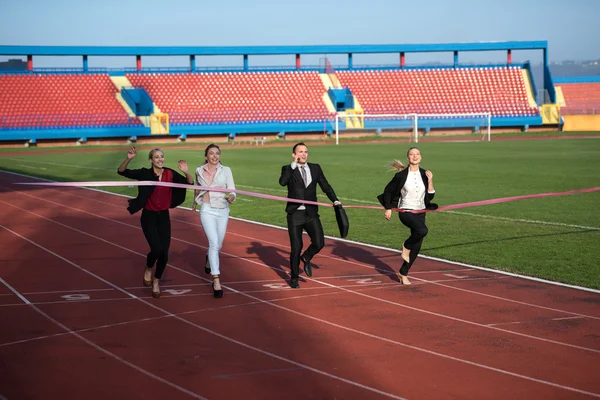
x=301 y=179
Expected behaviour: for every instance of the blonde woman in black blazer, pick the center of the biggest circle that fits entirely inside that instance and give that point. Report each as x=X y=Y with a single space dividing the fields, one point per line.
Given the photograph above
x=155 y=202
x=410 y=189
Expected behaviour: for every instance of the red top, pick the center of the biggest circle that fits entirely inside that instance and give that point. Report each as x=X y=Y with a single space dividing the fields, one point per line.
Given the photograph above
x=160 y=199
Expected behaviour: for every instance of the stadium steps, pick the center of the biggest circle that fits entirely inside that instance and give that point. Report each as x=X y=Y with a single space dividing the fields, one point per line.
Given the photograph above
x=355 y=122
x=560 y=97
x=357 y=105
x=328 y=103
x=327 y=82
x=335 y=81
x=529 y=88
x=122 y=82
x=328 y=85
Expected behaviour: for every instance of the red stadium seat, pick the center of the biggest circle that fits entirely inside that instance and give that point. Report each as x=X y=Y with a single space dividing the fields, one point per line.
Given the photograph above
x=581 y=98
x=44 y=100
x=440 y=91
x=231 y=95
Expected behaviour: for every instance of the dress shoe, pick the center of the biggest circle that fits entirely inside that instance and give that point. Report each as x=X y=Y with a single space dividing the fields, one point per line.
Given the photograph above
x=294 y=284
x=405 y=254
x=307 y=266
x=217 y=293
x=207 y=265
x=155 y=293
x=148 y=282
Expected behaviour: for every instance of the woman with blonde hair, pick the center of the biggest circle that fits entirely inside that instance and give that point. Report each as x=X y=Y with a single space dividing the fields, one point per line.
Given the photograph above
x=214 y=209
x=155 y=202
x=411 y=189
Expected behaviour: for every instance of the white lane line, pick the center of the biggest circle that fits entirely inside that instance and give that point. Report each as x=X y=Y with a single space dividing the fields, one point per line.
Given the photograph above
x=220 y=308
x=498 y=272
x=227 y=338
x=345 y=327
x=87 y=341
x=279 y=269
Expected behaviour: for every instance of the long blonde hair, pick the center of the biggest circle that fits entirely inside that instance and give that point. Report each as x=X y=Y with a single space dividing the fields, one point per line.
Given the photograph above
x=399 y=165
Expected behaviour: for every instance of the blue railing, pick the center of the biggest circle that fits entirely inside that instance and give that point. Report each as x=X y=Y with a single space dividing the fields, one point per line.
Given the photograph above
x=423 y=67
x=150 y=70
x=258 y=68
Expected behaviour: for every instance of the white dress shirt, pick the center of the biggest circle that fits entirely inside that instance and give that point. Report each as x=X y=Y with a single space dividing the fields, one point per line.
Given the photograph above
x=223 y=179
x=308 y=177
x=413 y=192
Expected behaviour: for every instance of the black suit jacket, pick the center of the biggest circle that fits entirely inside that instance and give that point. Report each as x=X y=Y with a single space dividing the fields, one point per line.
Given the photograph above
x=144 y=192
x=393 y=190
x=296 y=190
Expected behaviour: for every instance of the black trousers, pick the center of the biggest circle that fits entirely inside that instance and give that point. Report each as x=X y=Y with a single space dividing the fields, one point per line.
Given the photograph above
x=157 y=230
x=297 y=222
x=418 y=231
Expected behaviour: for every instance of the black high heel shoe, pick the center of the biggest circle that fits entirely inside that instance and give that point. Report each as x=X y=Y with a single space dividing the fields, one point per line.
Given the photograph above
x=217 y=293
x=206 y=266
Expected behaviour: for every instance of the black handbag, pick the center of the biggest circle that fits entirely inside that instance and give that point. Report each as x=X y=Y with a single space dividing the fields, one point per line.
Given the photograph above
x=342 y=220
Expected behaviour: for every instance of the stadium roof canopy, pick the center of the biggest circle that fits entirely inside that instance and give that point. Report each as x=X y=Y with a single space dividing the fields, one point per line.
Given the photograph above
x=265 y=50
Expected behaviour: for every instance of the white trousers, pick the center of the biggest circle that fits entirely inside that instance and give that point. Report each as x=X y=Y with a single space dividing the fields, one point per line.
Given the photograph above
x=214 y=222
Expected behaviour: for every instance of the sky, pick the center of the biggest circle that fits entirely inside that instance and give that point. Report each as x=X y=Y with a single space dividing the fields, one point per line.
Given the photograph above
x=570 y=27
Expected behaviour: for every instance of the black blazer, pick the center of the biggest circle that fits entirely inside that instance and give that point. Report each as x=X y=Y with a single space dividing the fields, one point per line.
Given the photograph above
x=296 y=190
x=144 y=192
x=393 y=191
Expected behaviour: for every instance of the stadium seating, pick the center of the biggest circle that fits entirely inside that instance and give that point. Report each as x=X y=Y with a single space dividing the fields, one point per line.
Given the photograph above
x=581 y=98
x=498 y=90
x=236 y=97
x=42 y=101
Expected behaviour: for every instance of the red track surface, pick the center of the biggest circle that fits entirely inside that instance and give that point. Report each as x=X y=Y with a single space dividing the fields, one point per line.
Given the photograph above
x=77 y=323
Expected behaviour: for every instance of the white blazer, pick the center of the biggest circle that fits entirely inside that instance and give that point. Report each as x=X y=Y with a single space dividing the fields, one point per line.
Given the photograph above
x=223 y=180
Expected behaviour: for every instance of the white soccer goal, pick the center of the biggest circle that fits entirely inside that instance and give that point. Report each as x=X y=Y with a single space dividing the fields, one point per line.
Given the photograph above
x=480 y=121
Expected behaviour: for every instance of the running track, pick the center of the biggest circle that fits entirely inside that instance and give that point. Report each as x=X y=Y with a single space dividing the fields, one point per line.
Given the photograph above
x=77 y=323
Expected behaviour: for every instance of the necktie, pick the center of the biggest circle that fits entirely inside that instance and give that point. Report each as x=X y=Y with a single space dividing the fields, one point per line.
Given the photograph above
x=303 y=173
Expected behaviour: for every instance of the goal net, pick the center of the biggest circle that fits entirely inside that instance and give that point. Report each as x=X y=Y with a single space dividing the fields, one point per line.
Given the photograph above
x=413 y=123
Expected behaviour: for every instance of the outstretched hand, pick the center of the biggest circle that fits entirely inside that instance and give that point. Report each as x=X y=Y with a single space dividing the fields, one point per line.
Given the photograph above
x=131 y=153
x=182 y=165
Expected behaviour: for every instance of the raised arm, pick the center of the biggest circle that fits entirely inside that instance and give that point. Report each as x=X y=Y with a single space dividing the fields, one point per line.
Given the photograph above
x=430 y=189
x=183 y=167
x=286 y=175
x=128 y=173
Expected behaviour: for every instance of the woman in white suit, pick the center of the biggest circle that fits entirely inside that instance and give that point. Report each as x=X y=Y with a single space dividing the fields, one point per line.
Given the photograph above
x=214 y=208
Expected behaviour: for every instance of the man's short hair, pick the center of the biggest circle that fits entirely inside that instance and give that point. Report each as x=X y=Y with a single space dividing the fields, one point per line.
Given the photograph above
x=298 y=144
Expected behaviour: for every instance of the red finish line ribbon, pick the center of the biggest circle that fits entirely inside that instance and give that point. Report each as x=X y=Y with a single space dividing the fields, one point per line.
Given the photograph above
x=316 y=203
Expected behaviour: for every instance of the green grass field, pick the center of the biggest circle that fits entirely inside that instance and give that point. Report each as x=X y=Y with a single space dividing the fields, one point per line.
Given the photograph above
x=555 y=238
